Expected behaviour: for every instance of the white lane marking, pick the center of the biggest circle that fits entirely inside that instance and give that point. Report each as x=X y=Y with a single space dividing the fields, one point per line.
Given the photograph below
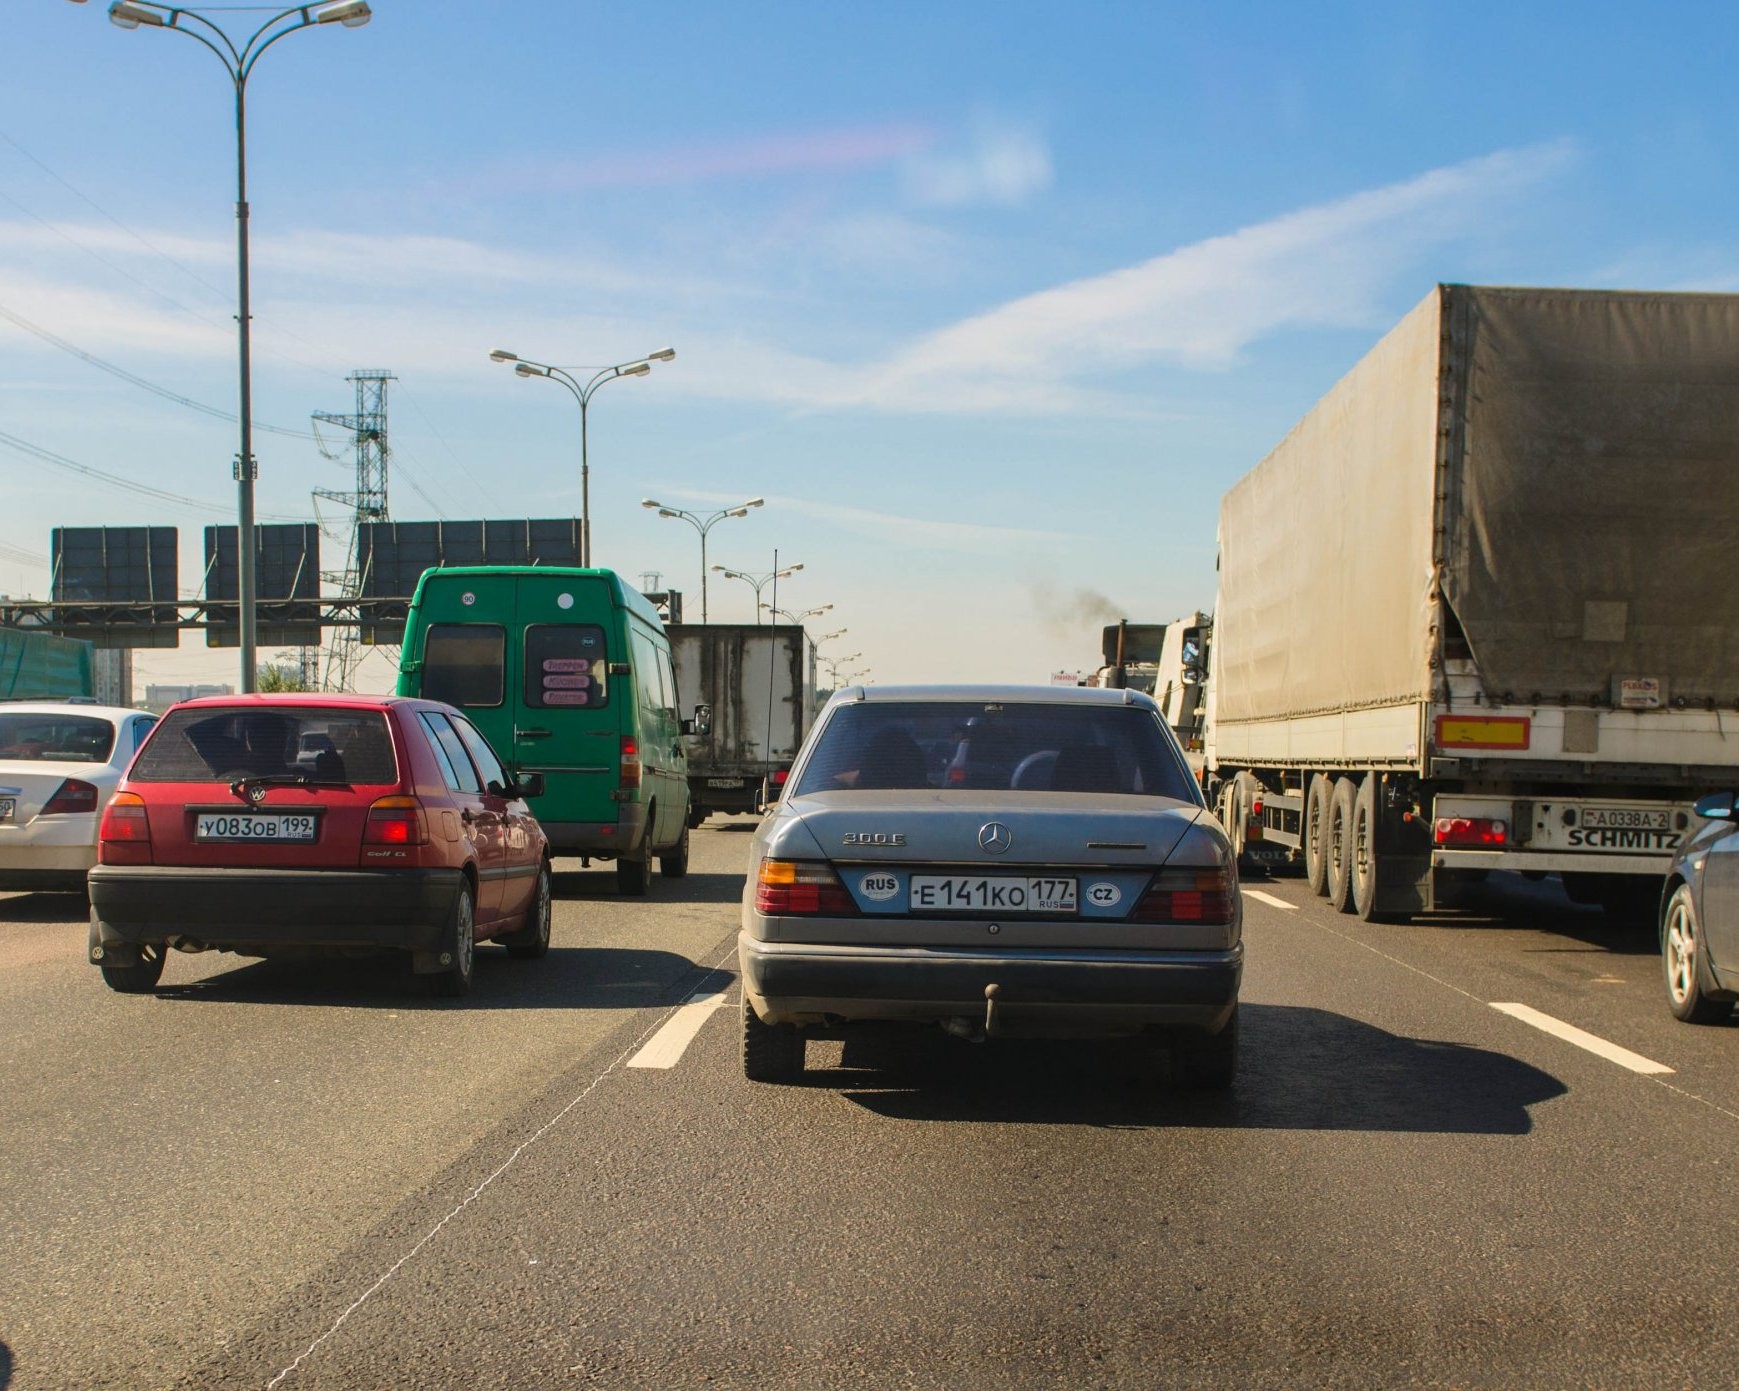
x=1571 y=1034
x=473 y=1196
x=1269 y=899
x=668 y=1045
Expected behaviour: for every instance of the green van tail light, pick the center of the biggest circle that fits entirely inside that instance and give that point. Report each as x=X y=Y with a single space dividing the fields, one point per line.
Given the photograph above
x=630 y=762
x=396 y=821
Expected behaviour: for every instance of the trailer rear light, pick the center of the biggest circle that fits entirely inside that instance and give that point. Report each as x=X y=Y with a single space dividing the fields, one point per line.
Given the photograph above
x=1253 y=822
x=396 y=821
x=779 y=777
x=787 y=888
x=1188 y=896
x=71 y=796
x=124 y=834
x=630 y=763
x=1477 y=831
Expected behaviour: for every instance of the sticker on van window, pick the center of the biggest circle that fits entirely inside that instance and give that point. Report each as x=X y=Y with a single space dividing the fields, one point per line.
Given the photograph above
x=566 y=664
x=566 y=697
x=566 y=683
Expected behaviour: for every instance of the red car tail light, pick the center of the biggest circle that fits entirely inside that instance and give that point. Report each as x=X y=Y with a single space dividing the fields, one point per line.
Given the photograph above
x=630 y=763
x=124 y=835
x=789 y=888
x=396 y=821
x=1476 y=831
x=71 y=796
x=1188 y=896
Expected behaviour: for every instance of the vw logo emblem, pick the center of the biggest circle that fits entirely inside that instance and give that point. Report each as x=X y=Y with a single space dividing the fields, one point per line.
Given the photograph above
x=994 y=838
x=257 y=793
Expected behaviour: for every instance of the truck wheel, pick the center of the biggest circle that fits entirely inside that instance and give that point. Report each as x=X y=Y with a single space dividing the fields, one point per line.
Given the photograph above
x=1316 y=834
x=1340 y=844
x=673 y=864
x=1363 y=855
x=1682 y=963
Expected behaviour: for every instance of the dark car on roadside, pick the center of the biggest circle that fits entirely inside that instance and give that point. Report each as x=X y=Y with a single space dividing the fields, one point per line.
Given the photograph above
x=297 y=825
x=1056 y=874
x=1699 y=922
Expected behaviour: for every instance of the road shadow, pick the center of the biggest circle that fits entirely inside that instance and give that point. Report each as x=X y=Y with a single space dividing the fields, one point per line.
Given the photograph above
x=5 y=1366
x=581 y=884
x=1299 y=1069
x=48 y=908
x=567 y=978
x=1507 y=902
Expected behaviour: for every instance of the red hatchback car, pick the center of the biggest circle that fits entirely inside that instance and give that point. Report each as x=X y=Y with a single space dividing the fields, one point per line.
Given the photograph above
x=278 y=825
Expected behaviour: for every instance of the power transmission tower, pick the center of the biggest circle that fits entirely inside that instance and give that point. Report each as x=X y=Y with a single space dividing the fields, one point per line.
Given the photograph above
x=367 y=504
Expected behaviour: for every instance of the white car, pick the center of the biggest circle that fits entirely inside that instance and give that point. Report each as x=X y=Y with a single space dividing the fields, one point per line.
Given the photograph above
x=59 y=761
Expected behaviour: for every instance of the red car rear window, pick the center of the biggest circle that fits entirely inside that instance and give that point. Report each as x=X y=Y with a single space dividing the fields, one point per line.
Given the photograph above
x=218 y=744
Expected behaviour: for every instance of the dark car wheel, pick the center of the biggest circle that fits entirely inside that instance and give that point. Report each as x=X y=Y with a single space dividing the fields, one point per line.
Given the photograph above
x=1682 y=962
x=1206 y=1062
x=461 y=943
x=674 y=864
x=771 y=1052
x=634 y=877
x=532 y=940
x=142 y=977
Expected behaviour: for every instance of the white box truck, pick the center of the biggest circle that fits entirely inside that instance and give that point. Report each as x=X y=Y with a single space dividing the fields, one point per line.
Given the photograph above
x=1474 y=610
x=759 y=680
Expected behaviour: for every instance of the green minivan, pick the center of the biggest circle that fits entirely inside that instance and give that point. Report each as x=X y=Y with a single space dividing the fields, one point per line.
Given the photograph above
x=567 y=673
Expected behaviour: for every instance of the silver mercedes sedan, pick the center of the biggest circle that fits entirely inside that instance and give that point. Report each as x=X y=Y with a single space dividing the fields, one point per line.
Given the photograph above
x=996 y=860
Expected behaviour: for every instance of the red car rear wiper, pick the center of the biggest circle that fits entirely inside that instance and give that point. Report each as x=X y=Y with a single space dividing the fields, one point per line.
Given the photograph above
x=242 y=788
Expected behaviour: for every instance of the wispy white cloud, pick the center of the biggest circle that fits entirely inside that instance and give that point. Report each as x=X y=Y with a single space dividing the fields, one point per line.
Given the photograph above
x=886 y=528
x=995 y=164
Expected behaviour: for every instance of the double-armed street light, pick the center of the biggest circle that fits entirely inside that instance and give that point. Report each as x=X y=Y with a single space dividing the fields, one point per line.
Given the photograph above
x=239 y=60
x=704 y=525
x=582 y=393
x=798 y=618
x=758 y=582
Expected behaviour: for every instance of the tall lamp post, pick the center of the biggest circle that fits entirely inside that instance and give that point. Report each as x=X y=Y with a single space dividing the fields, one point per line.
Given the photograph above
x=704 y=525
x=639 y=367
x=758 y=581
x=239 y=62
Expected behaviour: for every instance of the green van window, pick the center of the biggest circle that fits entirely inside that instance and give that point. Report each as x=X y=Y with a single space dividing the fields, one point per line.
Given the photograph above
x=465 y=663
x=566 y=665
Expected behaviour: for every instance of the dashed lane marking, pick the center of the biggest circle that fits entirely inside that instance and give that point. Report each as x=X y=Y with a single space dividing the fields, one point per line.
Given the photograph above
x=666 y=1047
x=1594 y=1044
x=1270 y=900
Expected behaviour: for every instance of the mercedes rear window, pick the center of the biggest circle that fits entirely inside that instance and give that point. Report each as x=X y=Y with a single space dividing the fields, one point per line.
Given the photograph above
x=1007 y=746
x=222 y=745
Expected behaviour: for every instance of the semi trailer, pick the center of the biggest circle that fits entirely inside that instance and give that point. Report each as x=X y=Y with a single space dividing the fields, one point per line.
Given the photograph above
x=1473 y=610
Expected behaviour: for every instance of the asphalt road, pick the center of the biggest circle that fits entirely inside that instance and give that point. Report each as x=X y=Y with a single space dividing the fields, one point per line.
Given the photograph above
x=277 y=1176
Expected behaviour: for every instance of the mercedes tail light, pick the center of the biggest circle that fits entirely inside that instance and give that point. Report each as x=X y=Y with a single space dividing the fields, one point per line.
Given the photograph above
x=1189 y=895
x=396 y=821
x=789 y=888
x=630 y=763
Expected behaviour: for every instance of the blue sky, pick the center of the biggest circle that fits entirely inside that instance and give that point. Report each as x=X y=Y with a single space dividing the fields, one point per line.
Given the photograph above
x=991 y=302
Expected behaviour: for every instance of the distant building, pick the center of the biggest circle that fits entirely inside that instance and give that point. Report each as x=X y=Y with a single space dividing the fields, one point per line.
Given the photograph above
x=160 y=698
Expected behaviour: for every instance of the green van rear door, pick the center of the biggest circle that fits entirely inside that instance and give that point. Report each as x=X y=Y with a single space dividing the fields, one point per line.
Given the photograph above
x=527 y=658
x=569 y=724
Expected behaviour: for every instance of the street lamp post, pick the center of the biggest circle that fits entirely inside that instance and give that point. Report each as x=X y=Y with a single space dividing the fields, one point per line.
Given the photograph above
x=639 y=367
x=758 y=581
x=704 y=525
x=798 y=618
x=239 y=61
